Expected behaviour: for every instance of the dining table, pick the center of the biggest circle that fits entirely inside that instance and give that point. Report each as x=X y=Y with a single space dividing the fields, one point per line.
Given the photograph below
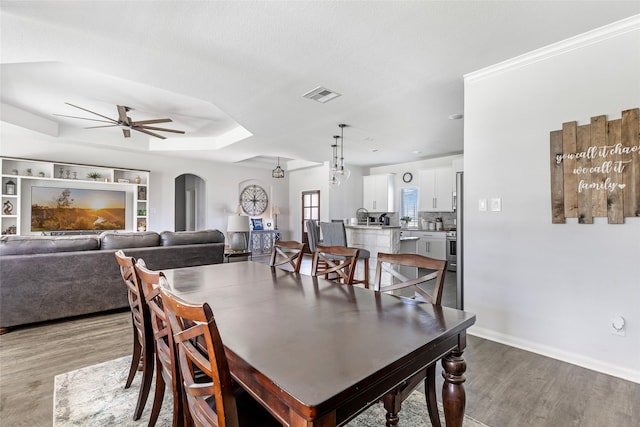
x=318 y=353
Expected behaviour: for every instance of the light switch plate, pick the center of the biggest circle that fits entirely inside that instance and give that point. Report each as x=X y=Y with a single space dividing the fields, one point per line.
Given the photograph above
x=496 y=204
x=482 y=205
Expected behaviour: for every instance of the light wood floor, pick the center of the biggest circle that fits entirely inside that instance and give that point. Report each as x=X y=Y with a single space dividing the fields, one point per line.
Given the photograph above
x=505 y=386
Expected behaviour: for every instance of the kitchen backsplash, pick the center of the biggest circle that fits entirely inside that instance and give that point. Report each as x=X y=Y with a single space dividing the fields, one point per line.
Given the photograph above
x=448 y=218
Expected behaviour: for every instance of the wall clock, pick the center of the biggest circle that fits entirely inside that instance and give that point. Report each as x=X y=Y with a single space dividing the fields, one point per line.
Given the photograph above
x=254 y=200
x=407 y=177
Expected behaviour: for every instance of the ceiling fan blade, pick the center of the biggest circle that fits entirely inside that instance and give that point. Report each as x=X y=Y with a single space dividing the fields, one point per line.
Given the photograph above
x=150 y=122
x=84 y=118
x=122 y=114
x=92 y=112
x=127 y=133
x=149 y=133
x=104 y=126
x=160 y=129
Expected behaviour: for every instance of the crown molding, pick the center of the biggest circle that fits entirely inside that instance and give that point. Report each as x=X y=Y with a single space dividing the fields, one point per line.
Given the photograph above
x=615 y=29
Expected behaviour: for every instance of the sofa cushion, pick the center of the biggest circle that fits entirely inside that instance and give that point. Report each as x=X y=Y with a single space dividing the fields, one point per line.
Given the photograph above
x=173 y=238
x=27 y=245
x=115 y=240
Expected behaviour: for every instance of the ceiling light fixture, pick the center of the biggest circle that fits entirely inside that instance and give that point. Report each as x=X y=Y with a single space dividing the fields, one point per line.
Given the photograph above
x=334 y=180
x=342 y=172
x=278 y=172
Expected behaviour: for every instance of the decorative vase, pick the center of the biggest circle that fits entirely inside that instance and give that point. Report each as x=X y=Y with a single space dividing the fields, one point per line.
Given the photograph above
x=138 y=180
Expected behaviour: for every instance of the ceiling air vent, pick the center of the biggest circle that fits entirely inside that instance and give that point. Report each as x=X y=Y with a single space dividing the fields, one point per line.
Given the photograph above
x=321 y=94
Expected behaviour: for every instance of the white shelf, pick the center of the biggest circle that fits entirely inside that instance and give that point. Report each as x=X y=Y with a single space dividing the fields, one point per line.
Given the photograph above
x=25 y=172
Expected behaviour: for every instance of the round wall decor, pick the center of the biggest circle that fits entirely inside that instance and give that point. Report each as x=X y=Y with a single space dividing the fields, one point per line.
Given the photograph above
x=254 y=200
x=407 y=177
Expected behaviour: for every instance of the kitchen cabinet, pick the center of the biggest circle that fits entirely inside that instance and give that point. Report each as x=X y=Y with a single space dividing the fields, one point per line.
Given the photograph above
x=431 y=244
x=378 y=193
x=436 y=190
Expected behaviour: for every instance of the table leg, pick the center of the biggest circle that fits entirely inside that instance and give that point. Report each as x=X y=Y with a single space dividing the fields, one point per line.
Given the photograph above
x=453 y=394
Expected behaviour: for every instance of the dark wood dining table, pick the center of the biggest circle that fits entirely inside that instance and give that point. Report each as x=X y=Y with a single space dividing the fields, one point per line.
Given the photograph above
x=317 y=353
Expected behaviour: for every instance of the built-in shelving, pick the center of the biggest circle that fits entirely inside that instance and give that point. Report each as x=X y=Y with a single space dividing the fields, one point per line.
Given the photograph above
x=18 y=175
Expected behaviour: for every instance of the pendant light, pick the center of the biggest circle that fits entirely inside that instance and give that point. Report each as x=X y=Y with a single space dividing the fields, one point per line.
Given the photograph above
x=341 y=171
x=333 y=170
x=278 y=172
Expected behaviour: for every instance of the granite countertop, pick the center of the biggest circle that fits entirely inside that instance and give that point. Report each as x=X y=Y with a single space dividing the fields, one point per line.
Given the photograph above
x=431 y=231
x=409 y=238
x=373 y=227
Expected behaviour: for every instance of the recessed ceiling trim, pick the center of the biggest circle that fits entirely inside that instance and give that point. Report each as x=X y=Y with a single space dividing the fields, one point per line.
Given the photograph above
x=321 y=94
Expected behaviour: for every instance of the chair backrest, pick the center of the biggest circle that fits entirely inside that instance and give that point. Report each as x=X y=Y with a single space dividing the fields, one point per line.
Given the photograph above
x=287 y=255
x=389 y=262
x=338 y=261
x=333 y=234
x=312 y=234
x=139 y=308
x=151 y=283
x=200 y=349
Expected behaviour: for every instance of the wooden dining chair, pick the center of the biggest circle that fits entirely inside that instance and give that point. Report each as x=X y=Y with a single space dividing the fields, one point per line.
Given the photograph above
x=287 y=255
x=211 y=396
x=429 y=271
x=336 y=263
x=142 y=358
x=167 y=370
x=334 y=234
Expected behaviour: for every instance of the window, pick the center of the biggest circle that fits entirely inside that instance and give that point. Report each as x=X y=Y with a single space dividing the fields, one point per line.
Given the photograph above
x=409 y=205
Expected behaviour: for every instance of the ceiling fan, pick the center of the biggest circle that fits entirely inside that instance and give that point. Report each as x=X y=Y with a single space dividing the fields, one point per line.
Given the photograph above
x=125 y=123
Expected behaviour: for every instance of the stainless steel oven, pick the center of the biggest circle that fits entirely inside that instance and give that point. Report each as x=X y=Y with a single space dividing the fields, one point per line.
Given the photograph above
x=452 y=251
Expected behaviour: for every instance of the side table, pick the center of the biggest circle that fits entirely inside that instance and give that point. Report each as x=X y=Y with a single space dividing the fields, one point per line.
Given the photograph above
x=229 y=253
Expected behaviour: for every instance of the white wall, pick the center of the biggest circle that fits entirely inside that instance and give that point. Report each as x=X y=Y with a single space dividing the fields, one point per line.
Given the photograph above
x=550 y=288
x=223 y=181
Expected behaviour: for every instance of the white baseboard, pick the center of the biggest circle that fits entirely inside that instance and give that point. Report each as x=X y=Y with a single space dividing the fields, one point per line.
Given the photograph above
x=554 y=353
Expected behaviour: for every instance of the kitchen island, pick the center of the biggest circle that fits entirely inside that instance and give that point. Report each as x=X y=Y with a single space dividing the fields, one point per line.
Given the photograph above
x=374 y=238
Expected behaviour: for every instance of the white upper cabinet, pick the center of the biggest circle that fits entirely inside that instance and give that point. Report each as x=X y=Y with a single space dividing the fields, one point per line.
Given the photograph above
x=436 y=190
x=377 y=193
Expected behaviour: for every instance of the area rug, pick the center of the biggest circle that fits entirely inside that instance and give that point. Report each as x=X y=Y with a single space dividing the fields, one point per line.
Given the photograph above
x=95 y=396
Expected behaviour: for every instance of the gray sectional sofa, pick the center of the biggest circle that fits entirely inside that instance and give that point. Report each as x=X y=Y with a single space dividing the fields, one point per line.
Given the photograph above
x=52 y=277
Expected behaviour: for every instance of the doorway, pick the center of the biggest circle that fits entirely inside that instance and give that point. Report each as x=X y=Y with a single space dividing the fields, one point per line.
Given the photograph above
x=190 y=206
x=310 y=210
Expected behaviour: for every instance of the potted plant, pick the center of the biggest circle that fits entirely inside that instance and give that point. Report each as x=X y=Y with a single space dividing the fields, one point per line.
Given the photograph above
x=93 y=175
x=405 y=221
x=29 y=172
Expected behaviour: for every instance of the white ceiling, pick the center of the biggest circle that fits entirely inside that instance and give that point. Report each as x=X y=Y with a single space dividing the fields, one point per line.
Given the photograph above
x=223 y=69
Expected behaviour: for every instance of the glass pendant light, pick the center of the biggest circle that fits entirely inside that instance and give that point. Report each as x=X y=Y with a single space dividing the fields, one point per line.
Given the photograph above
x=342 y=172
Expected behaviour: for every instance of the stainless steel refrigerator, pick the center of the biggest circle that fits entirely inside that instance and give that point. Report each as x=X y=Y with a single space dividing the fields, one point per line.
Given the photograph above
x=460 y=240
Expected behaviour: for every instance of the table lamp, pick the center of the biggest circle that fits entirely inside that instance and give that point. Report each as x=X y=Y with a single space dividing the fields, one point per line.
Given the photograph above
x=237 y=227
x=275 y=211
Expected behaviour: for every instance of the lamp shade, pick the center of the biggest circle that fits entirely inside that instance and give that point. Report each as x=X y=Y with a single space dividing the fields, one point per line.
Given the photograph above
x=238 y=223
x=275 y=210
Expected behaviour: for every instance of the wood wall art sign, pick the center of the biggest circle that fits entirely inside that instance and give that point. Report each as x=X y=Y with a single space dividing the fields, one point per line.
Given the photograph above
x=595 y=169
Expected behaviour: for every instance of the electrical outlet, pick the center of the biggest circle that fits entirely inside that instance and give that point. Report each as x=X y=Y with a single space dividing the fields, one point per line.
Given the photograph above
x=618 y=326
x=496 y=204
